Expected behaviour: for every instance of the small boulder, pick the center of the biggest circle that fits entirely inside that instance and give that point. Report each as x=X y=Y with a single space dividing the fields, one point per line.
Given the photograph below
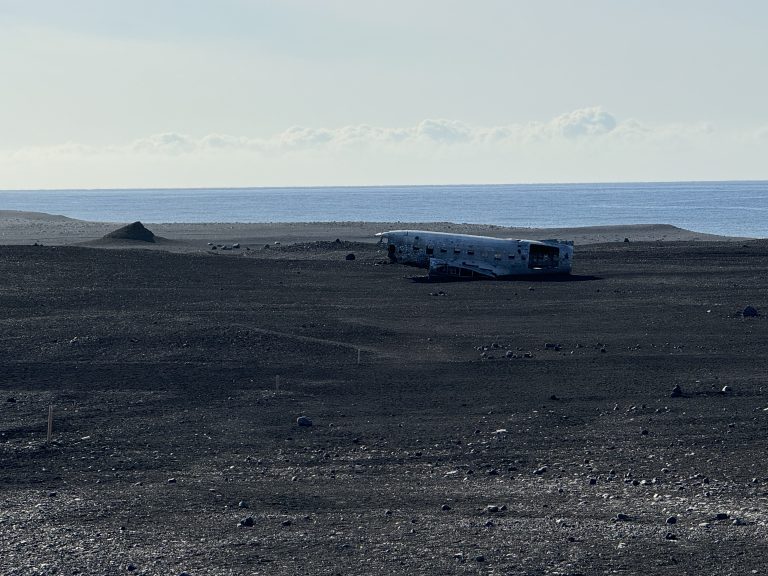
x=750 y=312
x=676 y=391
x=349 y=257
x=303 y=421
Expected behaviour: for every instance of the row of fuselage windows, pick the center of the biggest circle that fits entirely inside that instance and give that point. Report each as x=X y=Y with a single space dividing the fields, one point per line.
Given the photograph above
x=469 y=252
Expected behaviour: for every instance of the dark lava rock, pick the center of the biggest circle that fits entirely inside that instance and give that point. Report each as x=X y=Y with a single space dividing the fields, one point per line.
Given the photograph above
x=131 y=567
x=623 y=517
x=349 y=256
x=750 y=312
x=171 y=480
x=445 y=508
x=247 y=521
x=670 y=536
x=287 y=522
x=676 y=392
x=721 y=516
x=11 y=399
x=135 y=231
x=242 y=504
x=540 y=471
x=672 y=520
x=303 y=421
x=480 y=558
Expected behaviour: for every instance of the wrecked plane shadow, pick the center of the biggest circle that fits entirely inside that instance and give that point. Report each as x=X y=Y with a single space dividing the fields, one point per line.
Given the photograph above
x=547 y=279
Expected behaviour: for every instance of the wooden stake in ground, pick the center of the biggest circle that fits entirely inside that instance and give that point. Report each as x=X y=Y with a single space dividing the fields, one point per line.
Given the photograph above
x=50 y=422
x=277 y=383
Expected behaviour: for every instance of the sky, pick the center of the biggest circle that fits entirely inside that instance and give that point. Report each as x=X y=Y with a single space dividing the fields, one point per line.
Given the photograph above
x=209 y=93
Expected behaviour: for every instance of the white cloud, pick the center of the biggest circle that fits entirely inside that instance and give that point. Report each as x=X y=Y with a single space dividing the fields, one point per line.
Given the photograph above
x=589 y=144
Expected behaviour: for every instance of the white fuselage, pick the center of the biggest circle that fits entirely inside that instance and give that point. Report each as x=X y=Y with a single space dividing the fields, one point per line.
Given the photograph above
x=464 y=255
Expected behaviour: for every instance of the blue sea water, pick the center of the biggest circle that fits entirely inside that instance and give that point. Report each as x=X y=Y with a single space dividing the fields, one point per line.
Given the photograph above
x=738 y=208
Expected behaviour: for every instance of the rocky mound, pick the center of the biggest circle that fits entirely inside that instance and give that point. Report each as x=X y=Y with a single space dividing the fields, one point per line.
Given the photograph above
x=135 y=231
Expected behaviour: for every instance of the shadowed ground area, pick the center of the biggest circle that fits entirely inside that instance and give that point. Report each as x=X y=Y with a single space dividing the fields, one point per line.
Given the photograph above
x=475 y=428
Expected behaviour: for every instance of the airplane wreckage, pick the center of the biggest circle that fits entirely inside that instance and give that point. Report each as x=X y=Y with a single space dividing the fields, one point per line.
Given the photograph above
x=464 y=256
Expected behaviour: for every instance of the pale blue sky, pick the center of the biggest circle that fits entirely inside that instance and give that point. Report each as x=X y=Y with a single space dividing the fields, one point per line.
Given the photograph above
x=298 y=92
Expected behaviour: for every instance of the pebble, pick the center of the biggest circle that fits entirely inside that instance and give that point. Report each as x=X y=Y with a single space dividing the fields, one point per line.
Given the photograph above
x=171 y=480
x=242 y=504
x=303 y=421
x=445 y=508
x=670 y=536
x=286 y=522
x=623 y=517
x=492 y=508
x=247 y=521
x=726 y=389
x=349 y=257
x=11 y=399
x=131 y=567
x=672 y=520
x=676 y=392
x=721 y=516
x=540 y=471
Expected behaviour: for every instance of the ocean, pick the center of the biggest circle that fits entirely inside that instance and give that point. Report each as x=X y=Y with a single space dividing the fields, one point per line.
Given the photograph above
x=738 y=208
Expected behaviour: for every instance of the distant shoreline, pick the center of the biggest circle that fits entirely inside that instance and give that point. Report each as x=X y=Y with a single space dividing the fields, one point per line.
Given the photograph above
x=17 y=227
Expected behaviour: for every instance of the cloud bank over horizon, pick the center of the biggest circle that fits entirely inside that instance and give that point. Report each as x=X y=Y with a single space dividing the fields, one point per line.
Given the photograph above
x=583 y=145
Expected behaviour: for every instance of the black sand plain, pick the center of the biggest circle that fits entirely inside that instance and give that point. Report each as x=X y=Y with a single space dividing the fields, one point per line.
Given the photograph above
x=521 y=427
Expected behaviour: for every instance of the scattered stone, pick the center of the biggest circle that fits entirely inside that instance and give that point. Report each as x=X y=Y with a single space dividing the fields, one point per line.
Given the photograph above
x=247 y=521
x=672 y=520
x=242 y=504
x=480 y=558
x=349 y=256
x=388 y=512
x=492 y=508
x=445 y=508
x=236 y=246
x=626 y=240
x=620 y=517
x=721 y=516
x=171 y=480
x=740 y=522
x=52 y=494
x=303 y=421
x=676 y=391
x=286 y=522
x=726 y=389
x=554 y=397
x=750 y=312
x=11 y=399
x=670 y=536
x=131 y=567
x=540 y=471
x=592 y=481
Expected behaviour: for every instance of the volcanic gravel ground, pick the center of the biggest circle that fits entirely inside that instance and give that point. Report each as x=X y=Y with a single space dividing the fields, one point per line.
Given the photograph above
x=521 y=427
